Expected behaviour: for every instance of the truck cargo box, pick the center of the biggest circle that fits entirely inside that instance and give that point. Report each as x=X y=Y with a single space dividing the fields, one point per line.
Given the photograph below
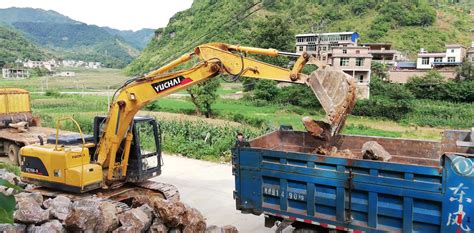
x=14 y=106
x=427 y=186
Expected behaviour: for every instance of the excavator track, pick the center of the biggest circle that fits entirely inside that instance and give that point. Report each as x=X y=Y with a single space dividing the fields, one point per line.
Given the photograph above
x=169 y=191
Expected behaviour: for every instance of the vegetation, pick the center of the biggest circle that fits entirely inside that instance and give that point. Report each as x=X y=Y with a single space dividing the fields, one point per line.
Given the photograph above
x=13 y=46
x=7 y=203
x=203 y=96
x=432 y=86
x=138 y=39
x=409 y=25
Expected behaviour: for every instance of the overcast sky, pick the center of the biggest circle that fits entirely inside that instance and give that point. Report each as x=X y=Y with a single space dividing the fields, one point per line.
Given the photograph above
x=120 y=14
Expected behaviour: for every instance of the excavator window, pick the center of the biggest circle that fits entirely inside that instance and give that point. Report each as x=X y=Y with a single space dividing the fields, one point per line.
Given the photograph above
x=146 y=137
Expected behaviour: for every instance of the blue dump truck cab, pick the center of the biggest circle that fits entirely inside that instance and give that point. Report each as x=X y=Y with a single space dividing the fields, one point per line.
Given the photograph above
x=427 y=186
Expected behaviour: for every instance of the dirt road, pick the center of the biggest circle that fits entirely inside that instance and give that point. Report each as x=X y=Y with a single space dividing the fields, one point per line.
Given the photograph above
x=208 y=187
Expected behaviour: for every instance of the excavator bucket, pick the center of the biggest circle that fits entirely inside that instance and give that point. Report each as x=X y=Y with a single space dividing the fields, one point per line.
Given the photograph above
x=336 y=91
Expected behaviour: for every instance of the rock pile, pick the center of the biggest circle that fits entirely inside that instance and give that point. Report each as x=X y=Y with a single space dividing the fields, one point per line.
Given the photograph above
x=147 y=214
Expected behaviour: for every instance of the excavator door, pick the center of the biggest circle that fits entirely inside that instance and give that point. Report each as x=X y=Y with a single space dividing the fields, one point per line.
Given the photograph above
x=145 y=152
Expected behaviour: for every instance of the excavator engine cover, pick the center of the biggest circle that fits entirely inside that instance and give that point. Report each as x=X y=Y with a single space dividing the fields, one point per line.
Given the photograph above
x=336 y=91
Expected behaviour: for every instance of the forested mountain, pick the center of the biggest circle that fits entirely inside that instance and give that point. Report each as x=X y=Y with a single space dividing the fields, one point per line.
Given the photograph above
x=13 y=46
x=139 y=39
x=408 y=24
x=15 y=14
x=69 y=39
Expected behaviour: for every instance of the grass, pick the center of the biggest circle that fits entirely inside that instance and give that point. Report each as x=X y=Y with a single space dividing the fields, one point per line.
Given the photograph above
x=84 y=108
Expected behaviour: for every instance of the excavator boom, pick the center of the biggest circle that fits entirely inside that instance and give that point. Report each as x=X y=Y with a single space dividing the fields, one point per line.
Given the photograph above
x=117 y=144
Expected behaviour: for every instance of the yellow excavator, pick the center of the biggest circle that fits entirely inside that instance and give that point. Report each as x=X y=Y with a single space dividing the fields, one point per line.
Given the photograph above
x=124 y=152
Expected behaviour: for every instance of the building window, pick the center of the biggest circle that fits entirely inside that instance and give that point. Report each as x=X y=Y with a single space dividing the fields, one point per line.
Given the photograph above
x=301 y=48
x=324 y=48
x=344 y=61
x=359 y=61
x=344 y=51
x=451 y=59
x=438 y=59
x=425 y=60
x=361 y=78
x=452 y=50
x=357 y=51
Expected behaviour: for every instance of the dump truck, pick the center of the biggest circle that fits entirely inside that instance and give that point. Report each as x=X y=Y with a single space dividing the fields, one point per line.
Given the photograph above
x=15 y=109
x=427 y=186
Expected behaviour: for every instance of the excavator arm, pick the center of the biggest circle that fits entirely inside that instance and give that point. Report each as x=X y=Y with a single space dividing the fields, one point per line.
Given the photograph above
x=335 y=90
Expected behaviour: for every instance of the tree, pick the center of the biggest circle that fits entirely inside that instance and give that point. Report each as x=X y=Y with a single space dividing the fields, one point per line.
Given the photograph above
x=271 y=32
x=266 y=90
x=466 y=71
x=380 y=70
x=426 y=87
x=203 y=95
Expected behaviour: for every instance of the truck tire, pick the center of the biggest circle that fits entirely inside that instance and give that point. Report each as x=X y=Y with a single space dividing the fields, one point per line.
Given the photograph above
x=13 y=152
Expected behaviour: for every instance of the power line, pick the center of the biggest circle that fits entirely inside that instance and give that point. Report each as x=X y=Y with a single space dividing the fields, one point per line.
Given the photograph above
x=216 y=30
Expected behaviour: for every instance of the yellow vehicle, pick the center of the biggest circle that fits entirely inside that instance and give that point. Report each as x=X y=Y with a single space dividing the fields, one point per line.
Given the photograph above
x=15 y=110
x=115 y=157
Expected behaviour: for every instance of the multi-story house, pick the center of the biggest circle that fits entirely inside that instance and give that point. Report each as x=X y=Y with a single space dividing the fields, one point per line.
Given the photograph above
x=355 y=61
x=321 y=43
x=383 y=53
x=453 y=56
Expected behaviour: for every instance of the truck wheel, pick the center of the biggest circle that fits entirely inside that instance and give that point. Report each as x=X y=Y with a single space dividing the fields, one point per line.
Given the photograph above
x=13 y=152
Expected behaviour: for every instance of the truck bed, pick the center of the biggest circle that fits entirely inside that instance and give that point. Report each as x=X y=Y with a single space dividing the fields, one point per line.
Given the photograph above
x=31 y=136
x=406 y=151
x=281 y=177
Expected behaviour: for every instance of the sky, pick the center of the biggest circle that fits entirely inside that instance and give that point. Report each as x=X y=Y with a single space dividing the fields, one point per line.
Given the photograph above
x=119 y=14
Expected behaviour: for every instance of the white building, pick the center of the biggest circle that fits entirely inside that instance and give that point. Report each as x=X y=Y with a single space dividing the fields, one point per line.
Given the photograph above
x=453 y=56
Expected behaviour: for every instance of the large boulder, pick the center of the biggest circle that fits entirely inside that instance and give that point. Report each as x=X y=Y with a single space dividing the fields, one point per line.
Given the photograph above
x=158 y=226
x=35 y=195
x=30 y=211
x=54 y=226
x=173 y=214
x=12 y=228
x=59 y=207
x=84 y=215
x=194 y=221
x=108 y=217
x=374 y=151
x=134 y=220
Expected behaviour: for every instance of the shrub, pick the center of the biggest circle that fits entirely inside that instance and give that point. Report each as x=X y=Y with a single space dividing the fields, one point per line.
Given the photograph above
x=298 y=95
x=379 y=106
x=266 y=90
x=53 y=93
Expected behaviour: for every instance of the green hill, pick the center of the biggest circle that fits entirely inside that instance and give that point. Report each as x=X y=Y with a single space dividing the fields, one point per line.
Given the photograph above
x=69 y=39
x=408 y=24
x=15 y=14
x=80 y=41
x=139 y=39
x=14 y=46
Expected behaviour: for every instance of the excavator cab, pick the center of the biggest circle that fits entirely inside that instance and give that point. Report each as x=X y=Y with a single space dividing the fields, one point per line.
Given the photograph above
x=145 y=151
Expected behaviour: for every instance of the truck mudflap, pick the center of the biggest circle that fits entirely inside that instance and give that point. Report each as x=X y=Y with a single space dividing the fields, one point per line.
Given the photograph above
x=356 y=195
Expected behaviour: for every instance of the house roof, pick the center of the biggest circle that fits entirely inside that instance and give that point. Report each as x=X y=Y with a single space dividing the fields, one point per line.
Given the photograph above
x=407 y=64
x=326 y=34
x=431 y=54
x=454 y=46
